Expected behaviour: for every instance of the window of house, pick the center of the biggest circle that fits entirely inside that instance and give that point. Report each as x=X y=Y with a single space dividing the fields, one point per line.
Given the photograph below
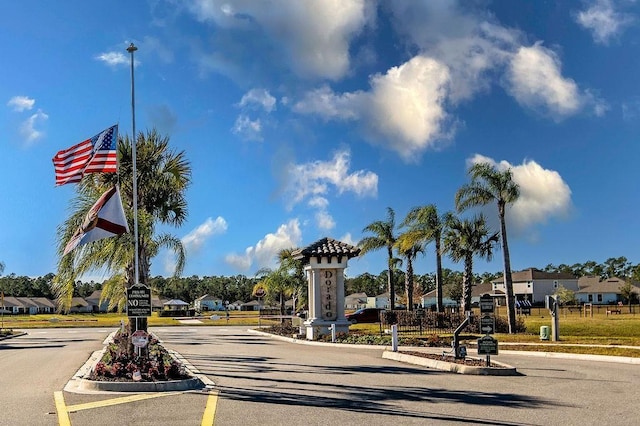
x=591 y=298
x=599 y=298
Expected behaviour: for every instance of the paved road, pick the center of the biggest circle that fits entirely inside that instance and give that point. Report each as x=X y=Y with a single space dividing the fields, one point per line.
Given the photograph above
x=264 y=381
x=34 y=366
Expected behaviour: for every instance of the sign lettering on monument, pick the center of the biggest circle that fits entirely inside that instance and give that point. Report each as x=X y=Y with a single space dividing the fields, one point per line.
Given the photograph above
x=328 y=295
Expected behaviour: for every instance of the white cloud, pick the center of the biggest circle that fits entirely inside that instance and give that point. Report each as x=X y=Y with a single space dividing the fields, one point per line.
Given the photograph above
x=264 y=253
x=114 y=59
x=404 y=109
x=347 y=238
x=603 y=20
x=535 y=80
x=470 y=45
x=260 y=97
x=324 y=220
x=21 y=103
x=543 y=194
x=313 y=179
x=314 y=34
x=194 y=240
x=247 y=129
x=28 y=130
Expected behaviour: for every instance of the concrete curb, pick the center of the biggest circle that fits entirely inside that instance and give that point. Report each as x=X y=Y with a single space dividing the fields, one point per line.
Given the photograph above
x=80 y=383
x=452 y=367
x=557 y=355
x=12 y=336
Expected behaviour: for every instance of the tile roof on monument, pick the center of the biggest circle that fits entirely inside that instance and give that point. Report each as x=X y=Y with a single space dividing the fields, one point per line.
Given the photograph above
x=328 y=247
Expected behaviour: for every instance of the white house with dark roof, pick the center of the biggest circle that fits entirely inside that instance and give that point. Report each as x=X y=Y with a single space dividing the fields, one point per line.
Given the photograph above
x=602 y=292
x=355 y=301
x=45 y=306
x=533 y=285
x=208 y=303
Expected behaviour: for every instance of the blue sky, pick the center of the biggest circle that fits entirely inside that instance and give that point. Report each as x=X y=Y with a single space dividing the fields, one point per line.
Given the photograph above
x=307 y=119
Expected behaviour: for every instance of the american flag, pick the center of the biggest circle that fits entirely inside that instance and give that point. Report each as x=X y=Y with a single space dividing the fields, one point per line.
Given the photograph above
x=95 y=155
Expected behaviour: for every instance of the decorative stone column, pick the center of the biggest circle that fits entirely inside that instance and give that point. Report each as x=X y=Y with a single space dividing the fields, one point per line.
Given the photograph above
x=324 y=264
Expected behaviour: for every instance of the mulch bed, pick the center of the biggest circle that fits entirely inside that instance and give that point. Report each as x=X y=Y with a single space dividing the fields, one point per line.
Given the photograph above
x=472 y=362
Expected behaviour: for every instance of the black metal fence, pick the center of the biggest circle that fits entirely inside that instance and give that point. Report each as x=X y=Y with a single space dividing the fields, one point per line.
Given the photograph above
x=425 y=323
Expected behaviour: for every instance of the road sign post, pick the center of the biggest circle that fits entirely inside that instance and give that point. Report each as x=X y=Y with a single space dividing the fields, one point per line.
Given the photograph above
x=488 y=324
x=488 y=346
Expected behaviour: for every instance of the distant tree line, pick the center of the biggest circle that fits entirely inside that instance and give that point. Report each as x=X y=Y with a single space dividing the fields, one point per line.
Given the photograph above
x=240 y=287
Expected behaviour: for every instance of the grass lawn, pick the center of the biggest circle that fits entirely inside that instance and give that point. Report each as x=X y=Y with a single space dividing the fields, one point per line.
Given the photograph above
x=113 y=320
x=613 y=331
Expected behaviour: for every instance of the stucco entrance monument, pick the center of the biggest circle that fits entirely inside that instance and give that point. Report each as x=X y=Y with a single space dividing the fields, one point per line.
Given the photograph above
x=324 y=264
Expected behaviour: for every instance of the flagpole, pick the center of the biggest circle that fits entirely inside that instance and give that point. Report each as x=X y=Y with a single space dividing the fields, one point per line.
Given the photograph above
x=132 y=49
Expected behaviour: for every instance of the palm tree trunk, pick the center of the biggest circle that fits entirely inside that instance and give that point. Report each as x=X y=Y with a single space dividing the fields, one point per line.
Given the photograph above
x=391 y=282
x=508 y=282
x=439 y=303
x=409 y=284
x=467 y=282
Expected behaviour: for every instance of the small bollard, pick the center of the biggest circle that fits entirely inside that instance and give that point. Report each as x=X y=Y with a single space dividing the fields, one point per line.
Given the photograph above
x=333 y=333
x=394 y=338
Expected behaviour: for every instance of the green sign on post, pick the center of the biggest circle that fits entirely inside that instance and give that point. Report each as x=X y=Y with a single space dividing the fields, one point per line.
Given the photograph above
x=487 y=345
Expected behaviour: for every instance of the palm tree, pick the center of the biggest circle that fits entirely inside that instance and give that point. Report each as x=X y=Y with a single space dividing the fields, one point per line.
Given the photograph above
x=163 y=177
x=489 y=185
x=465 y=239
x=277 y=284
x=383 y=237
x=296 y=268
x=409 y=254
x=425 y=225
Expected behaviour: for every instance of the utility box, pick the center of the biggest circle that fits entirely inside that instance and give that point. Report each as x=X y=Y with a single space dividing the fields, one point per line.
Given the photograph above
x=544 y=332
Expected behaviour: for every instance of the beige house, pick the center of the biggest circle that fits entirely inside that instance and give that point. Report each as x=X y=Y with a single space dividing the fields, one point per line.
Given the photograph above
x=532 y=285
x=602 y=292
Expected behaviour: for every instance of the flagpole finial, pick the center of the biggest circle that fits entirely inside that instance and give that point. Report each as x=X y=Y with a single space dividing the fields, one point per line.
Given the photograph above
x=131 y=48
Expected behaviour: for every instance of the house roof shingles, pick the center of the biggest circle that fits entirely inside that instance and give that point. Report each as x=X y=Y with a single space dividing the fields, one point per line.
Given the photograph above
x=593 y=284
x=535 y=274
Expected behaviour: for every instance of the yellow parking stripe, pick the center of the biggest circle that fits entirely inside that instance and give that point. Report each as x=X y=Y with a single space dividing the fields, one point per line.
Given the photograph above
x=117 y=401
x=61 y=409
x=210 y=411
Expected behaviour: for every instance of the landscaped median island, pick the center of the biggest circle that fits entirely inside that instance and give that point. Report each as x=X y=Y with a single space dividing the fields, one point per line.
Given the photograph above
x=467 y=365
x=118 y=368
x=441 y=361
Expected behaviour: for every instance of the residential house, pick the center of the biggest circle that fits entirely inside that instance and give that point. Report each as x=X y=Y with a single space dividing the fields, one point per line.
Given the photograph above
x=157 y=304
x=601 y=292
x=235 y=306
x=79 y=305
x=430 y=301
x=254 y=305
x=533 y=285
x=176 y=305
x=355 y=301
x=381 y=301
x=29 y=306
x=94 y=300
x=45 y=306
x=13 y=306
x=208 y=303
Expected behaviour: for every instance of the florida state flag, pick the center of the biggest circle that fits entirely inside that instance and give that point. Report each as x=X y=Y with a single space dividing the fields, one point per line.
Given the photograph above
x=105 y=219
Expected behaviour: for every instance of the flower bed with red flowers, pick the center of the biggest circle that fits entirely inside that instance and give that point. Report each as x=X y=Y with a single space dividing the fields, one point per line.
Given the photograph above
x=121 y=363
